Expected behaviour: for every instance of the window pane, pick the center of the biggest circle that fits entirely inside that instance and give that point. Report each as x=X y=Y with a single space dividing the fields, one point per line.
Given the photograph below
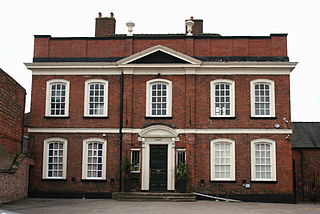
x=158 y=99
x=222 y=99
x=96 y=101
x=222 y=160
x=135 y=160
x=57 y=98
x=55 y=159
x=94 y=160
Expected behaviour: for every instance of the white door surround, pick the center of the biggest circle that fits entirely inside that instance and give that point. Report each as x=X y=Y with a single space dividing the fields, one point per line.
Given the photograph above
x=157 y=135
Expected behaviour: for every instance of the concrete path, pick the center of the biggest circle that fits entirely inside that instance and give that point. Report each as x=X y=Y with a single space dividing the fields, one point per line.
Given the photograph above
x=79 y=206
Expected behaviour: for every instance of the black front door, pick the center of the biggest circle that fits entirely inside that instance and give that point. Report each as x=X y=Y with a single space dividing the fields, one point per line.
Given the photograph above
x=158 y=168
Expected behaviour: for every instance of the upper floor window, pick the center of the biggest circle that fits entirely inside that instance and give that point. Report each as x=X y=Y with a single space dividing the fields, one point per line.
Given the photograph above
x=262 y=98
x=54 y=158
x=96 y=98
x=222 y=98
x=222 y=156
x=57 y=98
x=94 y=159
x=159 y=98
x=263 y=160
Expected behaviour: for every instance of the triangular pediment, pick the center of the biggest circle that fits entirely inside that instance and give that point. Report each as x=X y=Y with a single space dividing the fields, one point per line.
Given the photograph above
x=159 y=55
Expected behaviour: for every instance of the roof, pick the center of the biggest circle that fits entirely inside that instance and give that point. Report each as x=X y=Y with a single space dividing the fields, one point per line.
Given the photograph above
x=306 y=135
x=8 y=76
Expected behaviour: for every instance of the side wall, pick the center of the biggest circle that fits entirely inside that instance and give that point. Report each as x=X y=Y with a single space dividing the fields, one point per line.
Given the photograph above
x=14 y=185
x=12 y=101
x=307 y=173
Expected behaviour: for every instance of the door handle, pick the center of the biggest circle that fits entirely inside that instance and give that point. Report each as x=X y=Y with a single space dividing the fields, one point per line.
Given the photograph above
x=158 y=171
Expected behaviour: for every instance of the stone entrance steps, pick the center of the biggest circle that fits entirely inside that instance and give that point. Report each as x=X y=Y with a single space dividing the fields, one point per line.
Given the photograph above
x=148 y=196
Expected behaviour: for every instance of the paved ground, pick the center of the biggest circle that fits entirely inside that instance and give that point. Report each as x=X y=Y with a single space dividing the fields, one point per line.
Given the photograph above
x=79 y=206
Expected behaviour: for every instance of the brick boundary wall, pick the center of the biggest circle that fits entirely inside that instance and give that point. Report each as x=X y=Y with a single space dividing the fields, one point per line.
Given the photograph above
x=14 y=182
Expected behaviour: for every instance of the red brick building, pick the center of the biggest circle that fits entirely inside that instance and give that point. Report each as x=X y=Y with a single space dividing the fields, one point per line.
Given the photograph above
x=14 y=166
x=219 y=103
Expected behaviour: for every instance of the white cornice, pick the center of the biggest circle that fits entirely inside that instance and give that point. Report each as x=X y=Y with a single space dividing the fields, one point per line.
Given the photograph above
x=216 y=68
x=179 y=131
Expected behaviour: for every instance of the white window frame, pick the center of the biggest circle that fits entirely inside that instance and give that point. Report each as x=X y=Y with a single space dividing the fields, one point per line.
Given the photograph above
x=272 y=97
x=85 y=158
x=212 y=159
x=185 y=157
x=45 y=160
x=273 y=159
x=148 y=97
x=86 y=97
x=136 y=149
x=48 y=97
x=232 y=97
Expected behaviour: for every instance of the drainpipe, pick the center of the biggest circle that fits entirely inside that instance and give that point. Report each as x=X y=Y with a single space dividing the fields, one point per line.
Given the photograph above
x=302 y=175
x=120 y=131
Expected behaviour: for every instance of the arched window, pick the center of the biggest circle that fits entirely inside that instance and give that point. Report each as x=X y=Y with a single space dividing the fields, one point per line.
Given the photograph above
x=96 y=98
x=263 y=160
x=94 y=159
x=222 y=98
x=57 y=98
x=54 y=158
x=159 y=98
x=262 y=98
x=222 y=156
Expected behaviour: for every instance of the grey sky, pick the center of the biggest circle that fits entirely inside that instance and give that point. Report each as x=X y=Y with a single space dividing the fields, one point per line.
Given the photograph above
x=20 y=20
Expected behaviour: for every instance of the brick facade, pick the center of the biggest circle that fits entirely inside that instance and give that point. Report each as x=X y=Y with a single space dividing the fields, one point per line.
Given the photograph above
x=12 y=100
x=14 y=166
x=243 y=59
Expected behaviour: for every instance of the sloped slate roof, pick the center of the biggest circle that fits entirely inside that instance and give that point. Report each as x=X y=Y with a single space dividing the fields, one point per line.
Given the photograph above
x=306 y=135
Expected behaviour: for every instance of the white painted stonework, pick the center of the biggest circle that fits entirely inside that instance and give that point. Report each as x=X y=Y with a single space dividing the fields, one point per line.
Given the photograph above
x=157 y=135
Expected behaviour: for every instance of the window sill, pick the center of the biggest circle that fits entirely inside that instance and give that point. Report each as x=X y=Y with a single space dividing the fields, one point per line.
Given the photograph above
x=222 y=118
x=264 y=181
x=222 y=181
x=54 y=179
x=262 y=118
x=56 y=117
x=93 y=180
x=153 y=117
x=95 y=117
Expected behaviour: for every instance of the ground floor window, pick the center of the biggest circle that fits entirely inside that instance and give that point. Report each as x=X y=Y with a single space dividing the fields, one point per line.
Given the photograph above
x=263 y=160
x=222 y=159
x=94 y=159
x=180 y=156
x=135 y=160
x=54 y=158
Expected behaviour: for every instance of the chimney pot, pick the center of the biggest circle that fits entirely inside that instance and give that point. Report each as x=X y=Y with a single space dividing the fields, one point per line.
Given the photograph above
x=111 y=15
x=191 y=18
x=100 y=15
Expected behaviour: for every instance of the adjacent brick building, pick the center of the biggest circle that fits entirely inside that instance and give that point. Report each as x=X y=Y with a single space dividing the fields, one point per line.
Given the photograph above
x=306 y=159
x=14 y=166
x=221 y=104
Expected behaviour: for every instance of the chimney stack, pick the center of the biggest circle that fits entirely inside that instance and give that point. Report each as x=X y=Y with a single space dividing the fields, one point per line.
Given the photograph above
x=105 y=25
x=197 y=27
